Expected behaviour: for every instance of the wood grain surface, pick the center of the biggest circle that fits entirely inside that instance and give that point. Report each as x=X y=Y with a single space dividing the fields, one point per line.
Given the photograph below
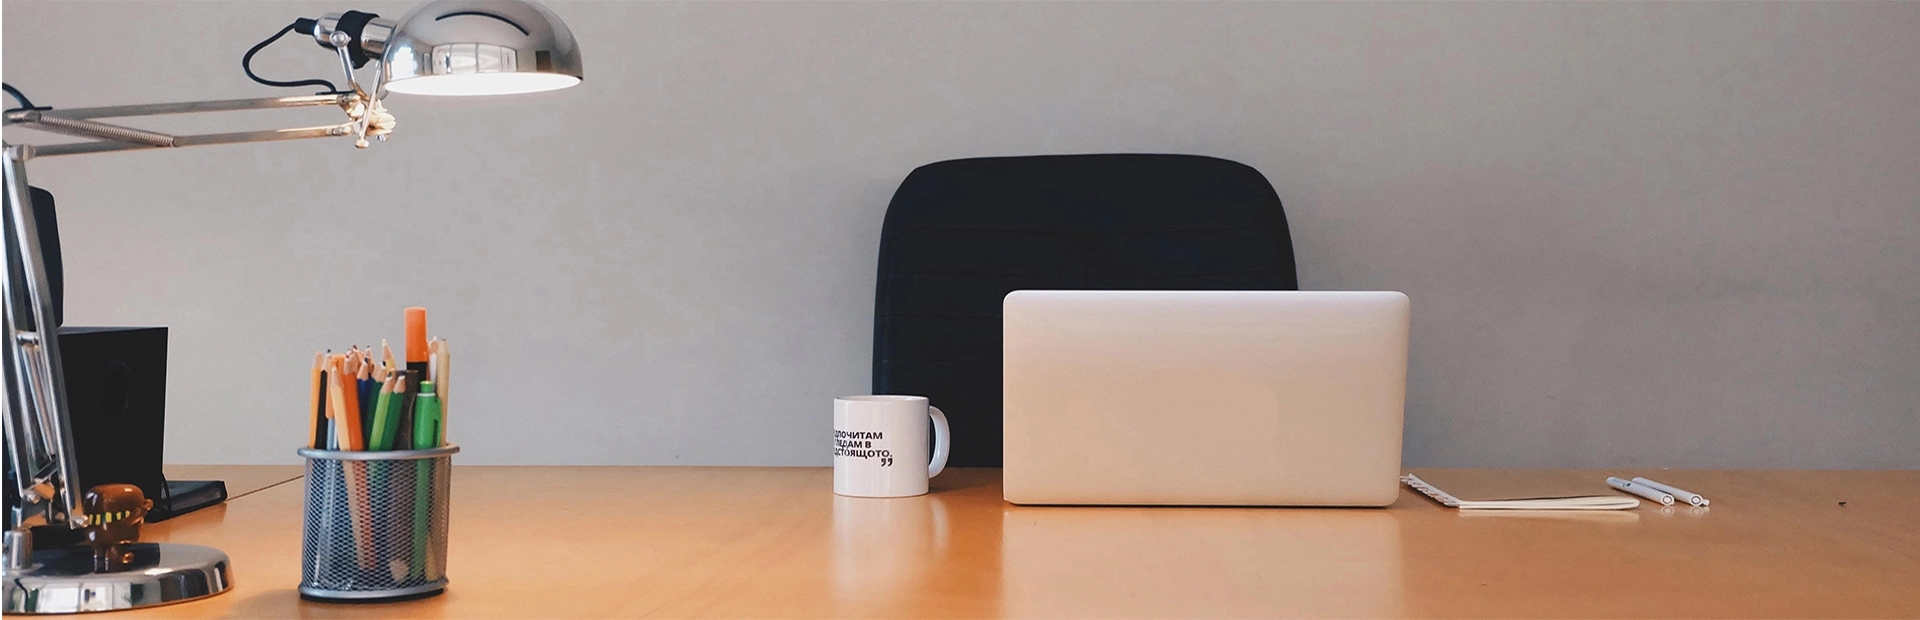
x=547 y=542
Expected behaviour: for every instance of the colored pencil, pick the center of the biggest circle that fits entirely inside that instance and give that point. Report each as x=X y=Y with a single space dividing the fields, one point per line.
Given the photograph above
x=382 y=472
x=383 y=418
x=436 y=554
x=436 y=548
x=352 y=437
x=354 y=477
x=403 y=423
x=422 y=504
x=336 y=404
x=441 y=376
x=316 y=409
x=367 y=391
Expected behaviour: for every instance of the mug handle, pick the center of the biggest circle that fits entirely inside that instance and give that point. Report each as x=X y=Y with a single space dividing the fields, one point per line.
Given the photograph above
x=942 y=441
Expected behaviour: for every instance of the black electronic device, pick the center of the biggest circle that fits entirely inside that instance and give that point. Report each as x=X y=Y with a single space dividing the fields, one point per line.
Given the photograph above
x=116 y=380
x=116 y=385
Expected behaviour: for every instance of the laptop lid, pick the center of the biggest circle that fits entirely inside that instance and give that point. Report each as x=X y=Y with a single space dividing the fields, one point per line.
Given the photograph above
x=1204 y=397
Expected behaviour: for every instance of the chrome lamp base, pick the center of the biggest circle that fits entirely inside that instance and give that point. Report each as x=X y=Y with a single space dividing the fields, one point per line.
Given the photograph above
x=62 y=581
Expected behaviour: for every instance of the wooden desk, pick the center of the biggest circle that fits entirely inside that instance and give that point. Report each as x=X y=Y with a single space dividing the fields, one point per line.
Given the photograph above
x=775 y=542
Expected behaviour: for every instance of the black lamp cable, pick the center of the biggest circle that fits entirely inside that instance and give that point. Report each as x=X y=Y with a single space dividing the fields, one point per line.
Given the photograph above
x=246 y=64
x=15 y=92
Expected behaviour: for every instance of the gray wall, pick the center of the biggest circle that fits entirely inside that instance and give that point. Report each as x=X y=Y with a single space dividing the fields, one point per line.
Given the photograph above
x=1635 y=234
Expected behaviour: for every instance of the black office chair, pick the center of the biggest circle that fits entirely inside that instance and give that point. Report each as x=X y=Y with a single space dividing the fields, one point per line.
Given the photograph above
x=44 y=220
x=962 y=234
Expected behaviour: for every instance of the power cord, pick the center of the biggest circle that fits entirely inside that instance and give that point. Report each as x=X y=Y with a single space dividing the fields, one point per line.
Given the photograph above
x=15 y=92
x=246 y=63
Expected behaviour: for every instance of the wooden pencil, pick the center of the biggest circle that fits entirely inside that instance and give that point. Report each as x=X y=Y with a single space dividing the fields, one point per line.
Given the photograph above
x=315 y=439
x=353 y=477
x=442 y=376
x=337 y=401
x=352 y=437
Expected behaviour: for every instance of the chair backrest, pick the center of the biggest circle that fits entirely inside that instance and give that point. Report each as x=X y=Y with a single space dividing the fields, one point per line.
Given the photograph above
x=49 y=228
x=962 y=234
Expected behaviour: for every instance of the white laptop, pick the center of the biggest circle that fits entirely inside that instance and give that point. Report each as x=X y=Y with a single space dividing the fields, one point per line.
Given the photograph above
x=1267 y=398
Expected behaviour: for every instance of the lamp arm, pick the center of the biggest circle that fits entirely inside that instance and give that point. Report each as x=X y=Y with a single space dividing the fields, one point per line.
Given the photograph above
x=271 y=135
x=39 y=441
x=192 y=107
x=39 y=437
x=366 y=118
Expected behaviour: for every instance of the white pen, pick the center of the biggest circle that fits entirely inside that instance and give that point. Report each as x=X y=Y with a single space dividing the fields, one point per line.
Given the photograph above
x=1691 y=497
x=1640 y=490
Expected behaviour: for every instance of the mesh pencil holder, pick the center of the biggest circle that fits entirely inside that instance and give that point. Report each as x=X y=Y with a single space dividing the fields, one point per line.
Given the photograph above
x=376 y=524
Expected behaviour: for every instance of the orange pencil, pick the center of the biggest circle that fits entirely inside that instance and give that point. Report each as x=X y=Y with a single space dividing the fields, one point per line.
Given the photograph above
x=349 y=420
x=337 y=402
x=351 y=471
x=359 y=512
x=316 y=438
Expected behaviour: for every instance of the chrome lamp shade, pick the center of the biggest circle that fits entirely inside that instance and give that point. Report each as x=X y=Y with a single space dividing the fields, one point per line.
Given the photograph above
x=480 y=47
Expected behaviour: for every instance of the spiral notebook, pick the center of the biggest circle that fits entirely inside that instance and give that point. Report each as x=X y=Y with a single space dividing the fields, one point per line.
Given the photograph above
x=1517 y=490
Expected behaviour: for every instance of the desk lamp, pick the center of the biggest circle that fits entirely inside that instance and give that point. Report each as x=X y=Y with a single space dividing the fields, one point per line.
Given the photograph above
x=450 y=47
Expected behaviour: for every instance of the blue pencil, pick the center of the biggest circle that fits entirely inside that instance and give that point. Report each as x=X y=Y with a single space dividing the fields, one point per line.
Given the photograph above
x=369 y=394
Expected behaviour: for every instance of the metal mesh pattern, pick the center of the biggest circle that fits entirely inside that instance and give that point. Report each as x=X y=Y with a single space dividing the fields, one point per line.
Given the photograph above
x=375 y=528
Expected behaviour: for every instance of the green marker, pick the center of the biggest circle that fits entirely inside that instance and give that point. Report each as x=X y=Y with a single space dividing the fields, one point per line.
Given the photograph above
x=426 y=418
x=426 y=436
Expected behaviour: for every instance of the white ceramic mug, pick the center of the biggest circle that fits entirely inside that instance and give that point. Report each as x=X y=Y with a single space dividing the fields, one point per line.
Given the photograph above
x=880 y=445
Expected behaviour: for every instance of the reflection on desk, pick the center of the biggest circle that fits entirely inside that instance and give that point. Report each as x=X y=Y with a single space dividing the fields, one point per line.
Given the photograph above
x=883 y=546
x=775 y=542
x=1192 y=562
